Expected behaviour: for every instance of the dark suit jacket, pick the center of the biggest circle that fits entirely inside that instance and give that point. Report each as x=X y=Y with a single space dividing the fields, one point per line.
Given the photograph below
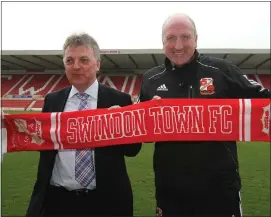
x=111 y=173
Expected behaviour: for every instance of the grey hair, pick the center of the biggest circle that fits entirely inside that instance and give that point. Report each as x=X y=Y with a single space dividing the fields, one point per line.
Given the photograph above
x=179 y=15
x=83 y=39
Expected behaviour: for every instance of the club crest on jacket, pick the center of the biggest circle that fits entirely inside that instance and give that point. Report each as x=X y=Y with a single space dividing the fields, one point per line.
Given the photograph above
x=207 y=86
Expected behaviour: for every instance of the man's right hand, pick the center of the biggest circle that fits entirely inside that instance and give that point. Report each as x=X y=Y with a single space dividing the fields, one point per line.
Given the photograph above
x=156 y=97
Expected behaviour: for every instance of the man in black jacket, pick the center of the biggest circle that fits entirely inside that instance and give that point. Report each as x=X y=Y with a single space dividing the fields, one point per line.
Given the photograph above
x=195 y=178
x=83 y=182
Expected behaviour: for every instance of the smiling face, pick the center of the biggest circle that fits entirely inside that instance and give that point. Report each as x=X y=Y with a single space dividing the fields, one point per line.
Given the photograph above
x=179 y=40
x=81 y=66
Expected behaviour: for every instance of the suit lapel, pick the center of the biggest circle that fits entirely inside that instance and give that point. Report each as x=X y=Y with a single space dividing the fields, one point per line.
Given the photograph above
x=103 y=99
x=62 y=99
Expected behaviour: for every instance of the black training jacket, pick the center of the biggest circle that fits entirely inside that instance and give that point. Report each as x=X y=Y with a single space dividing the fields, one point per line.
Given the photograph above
x=198 y=165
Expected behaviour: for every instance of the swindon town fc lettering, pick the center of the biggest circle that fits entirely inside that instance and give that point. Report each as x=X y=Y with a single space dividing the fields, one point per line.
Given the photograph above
x=191 y=119
x=107 y=126
x=165 y=119
x=171 y=120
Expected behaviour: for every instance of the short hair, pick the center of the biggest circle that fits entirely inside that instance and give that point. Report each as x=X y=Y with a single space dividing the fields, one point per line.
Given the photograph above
x=176 y=15
x=82 y=39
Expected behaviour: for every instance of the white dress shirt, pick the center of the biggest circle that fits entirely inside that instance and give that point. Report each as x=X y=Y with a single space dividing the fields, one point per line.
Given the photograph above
x=64 y=169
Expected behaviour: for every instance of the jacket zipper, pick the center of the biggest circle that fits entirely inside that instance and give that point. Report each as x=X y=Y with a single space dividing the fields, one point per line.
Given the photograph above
x=190 y=93
x=230 y=155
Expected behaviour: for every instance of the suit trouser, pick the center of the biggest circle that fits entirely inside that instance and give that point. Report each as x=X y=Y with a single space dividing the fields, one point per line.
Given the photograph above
x=61 y=202
x=173 y=202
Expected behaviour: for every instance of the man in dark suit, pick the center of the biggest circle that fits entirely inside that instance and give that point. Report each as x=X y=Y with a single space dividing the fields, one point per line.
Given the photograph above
x=88 y=182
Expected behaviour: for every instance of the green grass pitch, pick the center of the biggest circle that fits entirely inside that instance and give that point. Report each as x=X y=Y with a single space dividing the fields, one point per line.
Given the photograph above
x=19 y=174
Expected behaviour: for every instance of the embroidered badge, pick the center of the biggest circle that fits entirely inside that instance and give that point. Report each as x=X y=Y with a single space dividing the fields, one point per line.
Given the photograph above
x=32 y=130
x=207 y=86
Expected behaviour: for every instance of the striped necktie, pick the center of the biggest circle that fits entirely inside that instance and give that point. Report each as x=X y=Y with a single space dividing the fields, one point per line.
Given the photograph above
x=84 y=162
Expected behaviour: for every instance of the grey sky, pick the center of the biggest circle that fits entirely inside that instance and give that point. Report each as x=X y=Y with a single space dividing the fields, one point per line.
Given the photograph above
x=44 y=26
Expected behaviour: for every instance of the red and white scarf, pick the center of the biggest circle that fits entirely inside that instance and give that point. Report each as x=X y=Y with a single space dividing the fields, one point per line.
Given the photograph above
x=152 y=121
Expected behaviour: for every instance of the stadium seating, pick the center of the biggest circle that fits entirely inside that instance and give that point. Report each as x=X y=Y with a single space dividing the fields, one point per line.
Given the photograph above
x=16 y=104
x=8 y=81
x=18 y=90
x=264 y=80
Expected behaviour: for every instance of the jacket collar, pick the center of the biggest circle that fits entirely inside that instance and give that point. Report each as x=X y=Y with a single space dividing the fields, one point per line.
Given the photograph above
x=103 y=100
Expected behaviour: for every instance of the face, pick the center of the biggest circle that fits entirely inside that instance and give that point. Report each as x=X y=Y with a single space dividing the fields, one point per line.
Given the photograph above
x=81 y=66
x=179 y=40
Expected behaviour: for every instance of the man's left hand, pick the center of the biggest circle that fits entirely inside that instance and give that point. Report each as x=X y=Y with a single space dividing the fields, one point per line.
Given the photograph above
x=114 y=107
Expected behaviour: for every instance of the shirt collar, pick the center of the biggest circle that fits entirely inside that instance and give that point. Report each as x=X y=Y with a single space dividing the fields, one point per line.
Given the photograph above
x=92 y=90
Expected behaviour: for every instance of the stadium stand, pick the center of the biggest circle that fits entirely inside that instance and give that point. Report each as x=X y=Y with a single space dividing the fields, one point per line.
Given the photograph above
x=264 y=80
x=26 y=92
x=28 y=75
x=18 y=91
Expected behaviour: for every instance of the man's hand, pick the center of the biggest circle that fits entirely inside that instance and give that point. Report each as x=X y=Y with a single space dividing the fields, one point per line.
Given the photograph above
x=156 y=97
x=114 y=107
x=117 y=106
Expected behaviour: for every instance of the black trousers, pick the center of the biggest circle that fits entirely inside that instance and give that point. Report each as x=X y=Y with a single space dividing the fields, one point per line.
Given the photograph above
x=173 y=202
x=61 y=202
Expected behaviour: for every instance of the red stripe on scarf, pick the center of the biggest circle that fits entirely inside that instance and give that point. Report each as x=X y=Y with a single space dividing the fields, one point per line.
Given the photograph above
x=157 y=120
